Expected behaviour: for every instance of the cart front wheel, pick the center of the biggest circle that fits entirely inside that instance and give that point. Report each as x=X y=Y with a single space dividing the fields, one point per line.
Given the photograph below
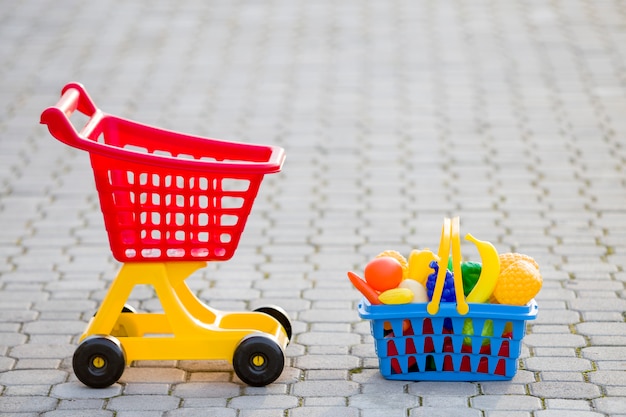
x=99 y=361
x=258 y=360
x=280 y=315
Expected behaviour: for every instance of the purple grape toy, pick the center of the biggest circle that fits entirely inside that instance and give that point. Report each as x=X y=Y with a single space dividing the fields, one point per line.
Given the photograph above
x=448 y=295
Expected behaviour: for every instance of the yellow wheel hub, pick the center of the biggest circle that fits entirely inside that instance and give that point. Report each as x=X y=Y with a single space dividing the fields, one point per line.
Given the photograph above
x=98 y=362
x=258 y=360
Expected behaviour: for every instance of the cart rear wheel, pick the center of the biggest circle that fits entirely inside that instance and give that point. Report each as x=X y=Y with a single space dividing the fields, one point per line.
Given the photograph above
x=258 y=360
x=280 y=315
x=99 y=361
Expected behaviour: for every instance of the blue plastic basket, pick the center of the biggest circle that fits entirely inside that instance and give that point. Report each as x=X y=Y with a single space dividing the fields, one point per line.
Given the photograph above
x=483 y=345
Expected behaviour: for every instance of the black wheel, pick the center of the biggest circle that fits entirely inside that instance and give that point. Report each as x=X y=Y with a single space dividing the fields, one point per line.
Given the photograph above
x=99 y=361
x=280 y=315
x=258 y=360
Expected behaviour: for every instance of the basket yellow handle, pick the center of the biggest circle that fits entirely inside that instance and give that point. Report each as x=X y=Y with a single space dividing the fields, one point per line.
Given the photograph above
x=461 y=304
x=450 y=237
x=444 y=255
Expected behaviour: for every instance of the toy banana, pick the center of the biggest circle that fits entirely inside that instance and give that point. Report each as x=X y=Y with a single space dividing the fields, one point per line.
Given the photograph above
x=489 y=273
x=419 y=265
x=444 y=255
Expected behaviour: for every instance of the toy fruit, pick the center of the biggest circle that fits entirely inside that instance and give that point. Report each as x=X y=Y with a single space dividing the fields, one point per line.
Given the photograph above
x=396 y=296
x=518 y=283
x=383 y=273
x=507 y=259
x=419 y=265
x=367 y=291
x=419 y=291
x=448 y=294
x=398 y=257
x=489 y=273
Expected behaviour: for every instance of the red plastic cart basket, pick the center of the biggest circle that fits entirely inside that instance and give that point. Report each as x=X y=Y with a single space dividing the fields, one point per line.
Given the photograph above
x=165 y=196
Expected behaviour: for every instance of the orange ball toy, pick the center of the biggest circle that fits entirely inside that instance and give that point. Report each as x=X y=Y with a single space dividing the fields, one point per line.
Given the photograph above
x=383 y=273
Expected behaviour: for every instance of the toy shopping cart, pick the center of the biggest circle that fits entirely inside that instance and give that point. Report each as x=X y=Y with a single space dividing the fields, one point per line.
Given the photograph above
x=171 y=202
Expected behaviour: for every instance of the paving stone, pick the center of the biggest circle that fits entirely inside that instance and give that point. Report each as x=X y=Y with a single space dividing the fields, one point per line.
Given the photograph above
x=383 y=401
x=557 y=404
x=563 y=340
x=257 y=402
x=29 y=377
x=506 y=402
x=608 y=353
x=76 y=391
x=272 y=389
x=150 y=413
x=325 y=388
x=382 y=412
x=324 y=411
x=326 y=362
x=557 y=364
x=143 y=403
x=10 y=404
x=461 y=389
x=601 y=328
x=325 y=402
x=207 y=389
x=329 y=315
x=146 y=389
x=77 y=413
x=610 y=405
x=152 y=374
x=502 y=388
x=200 y=412
x=12 y=339
x=27 y=390
x=327 y=338
x=573 y=413
x=42 y=351
x=561 y=376
x=564 y=389
x=616 y=378
x=508 y=413
x=80 y=404
x=441 y=412
x=6 y=364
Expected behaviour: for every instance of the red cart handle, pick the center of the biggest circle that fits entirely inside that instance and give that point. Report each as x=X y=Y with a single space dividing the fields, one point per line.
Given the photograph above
x=73 y=97
x=264 y=159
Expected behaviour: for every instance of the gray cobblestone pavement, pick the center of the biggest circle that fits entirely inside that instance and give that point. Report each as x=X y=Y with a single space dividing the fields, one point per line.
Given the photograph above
x=394 y=114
